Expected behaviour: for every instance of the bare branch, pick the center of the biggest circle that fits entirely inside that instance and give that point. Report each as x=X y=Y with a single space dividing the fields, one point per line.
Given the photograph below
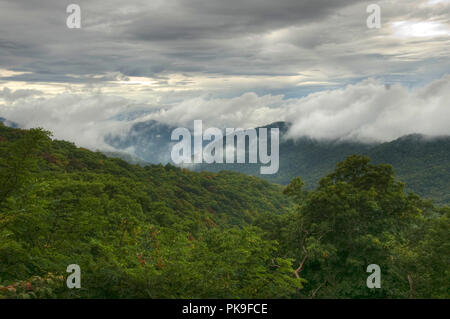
x=411 y=287
x=316 y=290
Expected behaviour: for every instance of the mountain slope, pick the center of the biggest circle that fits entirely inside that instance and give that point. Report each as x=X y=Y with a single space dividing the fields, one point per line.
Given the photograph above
x=422 y=163
x=225 y=197
x=136 y=232
x=166 y=232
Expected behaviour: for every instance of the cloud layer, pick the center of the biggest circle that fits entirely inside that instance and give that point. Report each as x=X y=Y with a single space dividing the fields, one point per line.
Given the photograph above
x=366 y=111
x=372 y=111
x=236 y=63
x=225 y=48
x=84 y=120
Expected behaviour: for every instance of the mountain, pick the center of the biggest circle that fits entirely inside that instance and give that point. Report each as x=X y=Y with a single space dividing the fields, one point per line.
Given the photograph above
x=145 y=232
x=149 y=141
x=126 y=157
x=217 y=197
x=167 y=232
x=8 y=123
x=421 y=162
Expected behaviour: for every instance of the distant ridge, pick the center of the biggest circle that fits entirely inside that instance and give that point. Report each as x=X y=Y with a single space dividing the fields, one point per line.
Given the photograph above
x=8 y=123
x=422 y=162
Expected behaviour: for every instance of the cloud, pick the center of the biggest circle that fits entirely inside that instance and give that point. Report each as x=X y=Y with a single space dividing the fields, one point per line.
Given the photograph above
x=366 y=111
x=84 y=120
x=9 y=95
x=372 y=111
x=237 y=63
x=322 y=40
x=246 y=111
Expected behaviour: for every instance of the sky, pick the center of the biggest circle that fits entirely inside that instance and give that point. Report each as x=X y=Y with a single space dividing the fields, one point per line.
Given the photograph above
x=234 y=63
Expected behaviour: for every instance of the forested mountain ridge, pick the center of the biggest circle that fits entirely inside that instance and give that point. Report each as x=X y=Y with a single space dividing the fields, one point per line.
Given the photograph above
x=423 y=163
x=130 y=227
x=214 y=194
x=165 y=232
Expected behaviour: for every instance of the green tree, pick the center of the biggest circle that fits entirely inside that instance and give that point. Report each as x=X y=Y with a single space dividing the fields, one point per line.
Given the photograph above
x=349 y=222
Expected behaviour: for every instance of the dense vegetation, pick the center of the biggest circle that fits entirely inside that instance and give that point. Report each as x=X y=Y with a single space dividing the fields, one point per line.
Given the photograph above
x=422 y=163
x=165 y=232
x=360 y=215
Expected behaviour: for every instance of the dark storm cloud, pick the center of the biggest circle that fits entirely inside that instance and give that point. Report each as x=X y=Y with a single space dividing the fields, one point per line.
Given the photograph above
x=200 y=19
x=324 y=40
x=147 y=38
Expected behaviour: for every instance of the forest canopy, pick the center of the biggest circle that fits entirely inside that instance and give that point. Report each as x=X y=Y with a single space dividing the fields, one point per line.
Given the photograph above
x=165 y=232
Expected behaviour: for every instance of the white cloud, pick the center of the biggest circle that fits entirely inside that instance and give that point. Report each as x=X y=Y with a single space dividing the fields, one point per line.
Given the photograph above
x=420 y=29
x=84 y=120
x=372 y=111
x=366 y=111
x=9 y=95
x=246 y=111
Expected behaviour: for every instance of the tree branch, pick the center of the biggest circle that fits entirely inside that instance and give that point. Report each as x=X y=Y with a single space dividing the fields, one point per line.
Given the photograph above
x=300 y=267
x=316 y=290
x=411 y=287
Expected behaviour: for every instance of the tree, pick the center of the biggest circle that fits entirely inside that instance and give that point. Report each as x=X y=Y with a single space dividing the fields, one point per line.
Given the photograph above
x=19 y=160
x=349 y=222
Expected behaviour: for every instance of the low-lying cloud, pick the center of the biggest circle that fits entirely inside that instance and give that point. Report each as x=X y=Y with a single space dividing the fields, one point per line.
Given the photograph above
x=84 y=120
x=372 y=111
x=367 y=111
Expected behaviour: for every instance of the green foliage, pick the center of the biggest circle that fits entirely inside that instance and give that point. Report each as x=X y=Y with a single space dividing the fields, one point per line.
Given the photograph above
x=35 y=288
x=360 y=215
x=422 y=163
x=18 y=160
x=165 y=232
x=144 y=232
